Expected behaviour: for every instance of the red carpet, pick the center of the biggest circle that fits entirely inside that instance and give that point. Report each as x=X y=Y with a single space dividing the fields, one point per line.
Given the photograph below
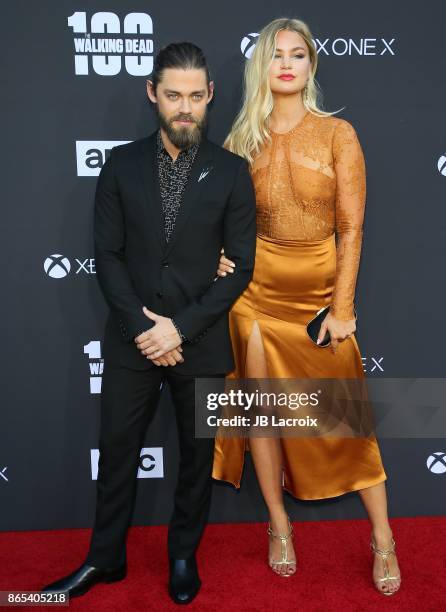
x=334 y=570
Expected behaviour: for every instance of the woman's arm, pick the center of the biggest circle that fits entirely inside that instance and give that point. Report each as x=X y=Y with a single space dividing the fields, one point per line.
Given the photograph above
x=350 y=171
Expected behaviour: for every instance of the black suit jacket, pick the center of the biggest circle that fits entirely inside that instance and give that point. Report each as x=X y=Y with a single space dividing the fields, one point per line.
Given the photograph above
x=135 y=265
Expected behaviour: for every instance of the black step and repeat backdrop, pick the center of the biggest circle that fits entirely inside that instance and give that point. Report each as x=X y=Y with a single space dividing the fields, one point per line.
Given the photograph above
x=73 y=87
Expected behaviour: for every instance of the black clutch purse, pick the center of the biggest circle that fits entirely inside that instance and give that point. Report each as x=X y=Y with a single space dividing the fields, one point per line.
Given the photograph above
x=314 y=327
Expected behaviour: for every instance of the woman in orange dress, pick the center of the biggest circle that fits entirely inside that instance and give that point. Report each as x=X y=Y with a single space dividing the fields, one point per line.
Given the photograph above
x=308 y=172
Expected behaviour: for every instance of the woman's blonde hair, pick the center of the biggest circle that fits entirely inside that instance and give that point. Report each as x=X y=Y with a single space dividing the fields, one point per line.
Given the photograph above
x=250 y=128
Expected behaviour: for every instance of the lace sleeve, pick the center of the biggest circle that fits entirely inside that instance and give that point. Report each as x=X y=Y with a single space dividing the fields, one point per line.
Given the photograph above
x=350 y=171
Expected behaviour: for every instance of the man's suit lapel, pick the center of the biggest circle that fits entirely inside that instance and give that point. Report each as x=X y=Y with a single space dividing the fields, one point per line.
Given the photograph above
x=192 y=193
x=203 y=164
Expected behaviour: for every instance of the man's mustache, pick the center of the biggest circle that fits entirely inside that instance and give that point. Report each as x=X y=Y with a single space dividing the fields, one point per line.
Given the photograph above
x=183 y=119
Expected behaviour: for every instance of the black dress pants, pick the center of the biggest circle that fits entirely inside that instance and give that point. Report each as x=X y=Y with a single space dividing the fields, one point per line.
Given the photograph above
x=128 y=403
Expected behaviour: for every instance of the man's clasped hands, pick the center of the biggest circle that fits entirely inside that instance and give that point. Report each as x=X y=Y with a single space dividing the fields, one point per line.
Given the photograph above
x=162 y=343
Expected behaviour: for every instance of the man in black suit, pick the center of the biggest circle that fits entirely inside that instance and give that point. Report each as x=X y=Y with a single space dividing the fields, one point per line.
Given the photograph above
x=165 y=206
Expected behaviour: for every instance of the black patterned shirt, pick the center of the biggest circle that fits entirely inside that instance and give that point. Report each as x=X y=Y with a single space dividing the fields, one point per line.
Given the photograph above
x=173 y=177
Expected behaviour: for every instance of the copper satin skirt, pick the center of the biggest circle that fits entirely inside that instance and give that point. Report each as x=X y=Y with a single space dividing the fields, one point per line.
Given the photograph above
x=292 y=280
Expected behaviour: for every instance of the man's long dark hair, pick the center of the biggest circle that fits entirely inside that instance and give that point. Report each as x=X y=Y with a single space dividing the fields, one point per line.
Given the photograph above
x=184 y=55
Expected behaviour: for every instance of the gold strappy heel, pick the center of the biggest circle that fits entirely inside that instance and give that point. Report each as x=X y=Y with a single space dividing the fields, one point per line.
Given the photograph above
x=384 y=554
x=283 y=550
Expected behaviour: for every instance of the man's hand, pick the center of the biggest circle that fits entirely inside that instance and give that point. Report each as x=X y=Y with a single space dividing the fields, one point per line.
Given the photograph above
x=170 y=358
x=162 y=338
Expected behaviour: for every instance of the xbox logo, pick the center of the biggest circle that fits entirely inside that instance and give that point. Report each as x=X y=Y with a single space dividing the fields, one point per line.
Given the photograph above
x=57 y=266
x=441 y=165
x=248 y=44
x=436 y=463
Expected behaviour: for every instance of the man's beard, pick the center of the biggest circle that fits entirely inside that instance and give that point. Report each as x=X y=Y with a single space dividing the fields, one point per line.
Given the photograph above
x=184 y=137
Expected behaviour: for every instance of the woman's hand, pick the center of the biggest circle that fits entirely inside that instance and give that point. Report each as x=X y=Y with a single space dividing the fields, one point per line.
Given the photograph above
x=225 y=265
x=339 y=330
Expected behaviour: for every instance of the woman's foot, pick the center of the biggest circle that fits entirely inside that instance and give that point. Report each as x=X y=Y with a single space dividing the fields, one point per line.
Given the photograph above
x=281 y=558
x=386 y=572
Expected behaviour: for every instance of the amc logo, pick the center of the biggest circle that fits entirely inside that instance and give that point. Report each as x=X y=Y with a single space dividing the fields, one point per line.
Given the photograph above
x=150 y=463
x=92 y=154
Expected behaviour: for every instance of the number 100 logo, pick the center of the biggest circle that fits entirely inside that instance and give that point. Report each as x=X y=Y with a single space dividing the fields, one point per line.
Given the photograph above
x=105 y=50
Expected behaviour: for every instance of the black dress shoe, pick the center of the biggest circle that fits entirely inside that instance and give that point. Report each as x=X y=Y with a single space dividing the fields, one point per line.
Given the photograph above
x=83 y=578
x=184 y=582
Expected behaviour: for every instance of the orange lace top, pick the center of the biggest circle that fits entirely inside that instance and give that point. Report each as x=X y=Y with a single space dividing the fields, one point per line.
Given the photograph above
x=310 y=182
